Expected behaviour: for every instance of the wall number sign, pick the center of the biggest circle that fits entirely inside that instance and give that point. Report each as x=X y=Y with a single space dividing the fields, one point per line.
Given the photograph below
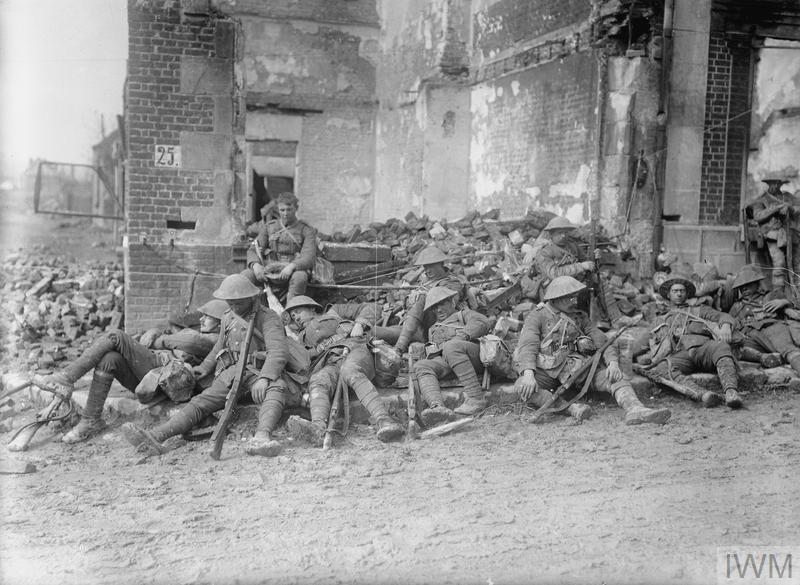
x=168 y=156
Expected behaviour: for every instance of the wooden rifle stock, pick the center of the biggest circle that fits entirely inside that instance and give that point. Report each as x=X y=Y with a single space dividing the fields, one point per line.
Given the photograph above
x=412 y=431
x=218 y=436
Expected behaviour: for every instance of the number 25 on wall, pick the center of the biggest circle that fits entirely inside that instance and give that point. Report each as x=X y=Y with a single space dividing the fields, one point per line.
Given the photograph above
x=168 y=156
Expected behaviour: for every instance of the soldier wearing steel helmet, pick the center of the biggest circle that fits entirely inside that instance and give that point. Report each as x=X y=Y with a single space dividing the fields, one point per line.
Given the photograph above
x=556 y=340
x=452 y=349
x=762 y=320
x=264 y=375
x=116 y=354
x=562 y=256
x=337 y=343
x=687 y=339
x=414 y=324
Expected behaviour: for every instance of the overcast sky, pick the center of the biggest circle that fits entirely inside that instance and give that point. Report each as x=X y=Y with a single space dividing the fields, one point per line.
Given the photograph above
x=62 y=66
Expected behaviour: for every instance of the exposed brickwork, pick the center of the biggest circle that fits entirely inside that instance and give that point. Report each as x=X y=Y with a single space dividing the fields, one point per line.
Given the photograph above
x=508 y=22
x=339 y=11
x=725 y=136
x=537 y=136
x=158 y=112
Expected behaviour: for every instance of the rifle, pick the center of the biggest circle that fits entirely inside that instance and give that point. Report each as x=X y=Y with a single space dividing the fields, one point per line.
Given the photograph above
x=341 y=399
x=218 y=436
x=24 y=435
x=272 y=299
x=412 y=432
x=590 y=365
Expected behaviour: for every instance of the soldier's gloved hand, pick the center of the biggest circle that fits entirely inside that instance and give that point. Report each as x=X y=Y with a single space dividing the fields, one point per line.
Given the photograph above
x=199 y=372
x=725 y=333
x=587 y=265
x=148 y=338
x=259 y=390
x=776 y=305
x=613 y=372
x=526 y=385
x=258 y=270
x=287 y=271
x=357 y=330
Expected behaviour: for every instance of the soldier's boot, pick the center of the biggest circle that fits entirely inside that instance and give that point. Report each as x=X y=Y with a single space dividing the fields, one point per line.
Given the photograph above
x=767 y=360
x=313 y=431
x=793 y=358
x=474 y=401
x=577 y=410
x=729 y=379
x=387 y=429
x=637 y=413
x=92 y=422
x=269 y=415
x=151 y=441
x=62 y=382
x=436 y=413
x=693 y=391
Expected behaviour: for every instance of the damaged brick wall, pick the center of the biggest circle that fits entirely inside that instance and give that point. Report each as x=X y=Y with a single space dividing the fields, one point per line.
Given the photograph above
x=179 y=94
x=726 y=128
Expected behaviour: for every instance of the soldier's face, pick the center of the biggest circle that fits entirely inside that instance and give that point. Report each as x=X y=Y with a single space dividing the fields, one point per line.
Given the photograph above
x=559 y=236
x=568 y=304
x=749 y=290
x=444 y=309
x=241 y=306
x=288 y=212
x=208 y=324
x=677 y=294
x=435 y=270
x=302 y=315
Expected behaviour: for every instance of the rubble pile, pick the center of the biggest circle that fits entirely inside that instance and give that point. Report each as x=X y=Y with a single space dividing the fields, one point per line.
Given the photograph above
x=53 y=309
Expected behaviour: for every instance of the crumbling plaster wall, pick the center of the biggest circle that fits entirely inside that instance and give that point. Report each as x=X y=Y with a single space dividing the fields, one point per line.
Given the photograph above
x=423 y=120
x=317 y=67
x=775 y=128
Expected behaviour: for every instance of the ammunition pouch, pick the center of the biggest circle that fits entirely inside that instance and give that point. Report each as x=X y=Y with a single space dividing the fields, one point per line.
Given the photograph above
x=227 y=358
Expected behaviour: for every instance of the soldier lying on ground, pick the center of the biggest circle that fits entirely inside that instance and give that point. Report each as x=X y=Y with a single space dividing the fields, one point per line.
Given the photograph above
x=263 y=377
x=556 y=340
x=761 y=320
x=415 y=322
x=689 y=339
x=340 y=349
x=116 y=354
x=287 y=251
x=452 y=348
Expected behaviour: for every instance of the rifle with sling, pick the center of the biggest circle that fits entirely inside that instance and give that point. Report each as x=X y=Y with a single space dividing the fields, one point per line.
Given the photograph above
x=588 y=365
x=231 y=400
x=412 y=431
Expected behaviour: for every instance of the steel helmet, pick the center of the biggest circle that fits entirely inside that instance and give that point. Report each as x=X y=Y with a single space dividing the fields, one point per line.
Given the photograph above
x=562 y=286
x=214 y=308
x=559 y=223
x=430 y=255
x=747 y=274
x=236 y=287
x=664 y=287
x=302 y=301
x=436 y=295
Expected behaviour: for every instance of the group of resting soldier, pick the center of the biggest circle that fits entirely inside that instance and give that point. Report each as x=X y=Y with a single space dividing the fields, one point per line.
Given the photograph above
x=559 y=346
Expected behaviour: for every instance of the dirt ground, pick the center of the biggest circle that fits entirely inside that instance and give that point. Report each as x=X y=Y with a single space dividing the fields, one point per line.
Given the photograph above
x=501 y=501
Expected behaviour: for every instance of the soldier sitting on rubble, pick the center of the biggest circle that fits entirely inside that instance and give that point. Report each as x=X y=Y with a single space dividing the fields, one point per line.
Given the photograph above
x=338 y=346
x=452 y=348
x=115 y=354
x=557 y=339
x=688 y=339
x=284 y=252
x=415 y=323
x=761 y=320
x=263 y=377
